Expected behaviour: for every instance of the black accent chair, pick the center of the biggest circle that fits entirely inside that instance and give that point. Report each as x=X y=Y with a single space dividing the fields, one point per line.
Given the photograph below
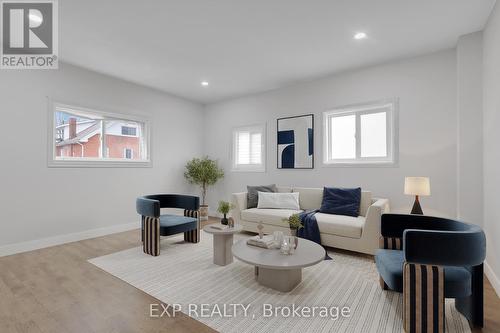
x=428 y=259
x=154 y=224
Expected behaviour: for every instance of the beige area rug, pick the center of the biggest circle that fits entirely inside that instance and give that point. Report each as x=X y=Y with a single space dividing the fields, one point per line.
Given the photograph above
x=184 y=275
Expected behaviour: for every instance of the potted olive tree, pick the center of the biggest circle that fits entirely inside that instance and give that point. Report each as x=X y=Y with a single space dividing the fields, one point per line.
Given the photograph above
x=203 y=172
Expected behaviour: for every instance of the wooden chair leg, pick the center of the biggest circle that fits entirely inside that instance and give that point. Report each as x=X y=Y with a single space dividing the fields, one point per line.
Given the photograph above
x=423 y=298
x=383 y=285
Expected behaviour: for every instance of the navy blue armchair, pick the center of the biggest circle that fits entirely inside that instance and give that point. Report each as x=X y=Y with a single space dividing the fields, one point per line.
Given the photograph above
x=428 y=259
x=154 y=224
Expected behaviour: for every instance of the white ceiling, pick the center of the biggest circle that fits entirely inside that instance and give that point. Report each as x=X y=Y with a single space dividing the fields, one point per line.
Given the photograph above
x=247 y=46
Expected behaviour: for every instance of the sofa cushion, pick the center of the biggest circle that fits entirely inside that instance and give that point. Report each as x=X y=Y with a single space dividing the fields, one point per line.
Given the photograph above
x=253 y=193
x=278 y=200
x=341 y=201
x=457 y=280
x=268 y=216
x=309 y=198
x=175 y=224
x=340 y=225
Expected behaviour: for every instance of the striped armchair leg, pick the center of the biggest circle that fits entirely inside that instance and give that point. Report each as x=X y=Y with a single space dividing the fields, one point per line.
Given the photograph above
x=151 y=235
x=142 y=229
x=193 y=236
x=423 y=298
x=389 y=243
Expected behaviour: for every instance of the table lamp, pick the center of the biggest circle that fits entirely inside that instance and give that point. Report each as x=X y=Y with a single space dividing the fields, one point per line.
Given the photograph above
x=417 y=186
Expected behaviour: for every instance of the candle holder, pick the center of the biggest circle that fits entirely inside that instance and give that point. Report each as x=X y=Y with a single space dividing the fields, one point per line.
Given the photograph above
x=287 y=245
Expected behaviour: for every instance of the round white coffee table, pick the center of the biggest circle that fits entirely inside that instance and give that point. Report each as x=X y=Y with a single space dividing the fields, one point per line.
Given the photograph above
x=276 y=270
x=223 y=241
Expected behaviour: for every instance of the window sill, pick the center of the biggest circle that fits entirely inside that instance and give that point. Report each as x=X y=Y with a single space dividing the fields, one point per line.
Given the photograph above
x=248 y=170
x=364 y=164
x=98 y=164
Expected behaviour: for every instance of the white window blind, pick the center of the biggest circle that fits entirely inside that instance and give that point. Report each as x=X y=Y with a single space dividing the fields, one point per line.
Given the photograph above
x=248 y=148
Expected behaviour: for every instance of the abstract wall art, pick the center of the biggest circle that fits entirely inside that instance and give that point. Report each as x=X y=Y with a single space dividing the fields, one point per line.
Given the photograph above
x=296 y=142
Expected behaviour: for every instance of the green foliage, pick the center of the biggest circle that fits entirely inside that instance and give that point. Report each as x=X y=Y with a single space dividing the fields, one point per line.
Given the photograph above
x=294 y=221
x=203 y=172
x=224 y=207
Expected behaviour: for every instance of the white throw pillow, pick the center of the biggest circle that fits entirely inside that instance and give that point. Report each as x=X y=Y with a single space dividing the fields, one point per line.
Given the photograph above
x=279 y=200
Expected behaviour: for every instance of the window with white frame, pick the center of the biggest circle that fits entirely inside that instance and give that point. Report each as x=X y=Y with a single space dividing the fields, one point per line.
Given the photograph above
x=361 y=134
x=85 y=137
x=249 y=148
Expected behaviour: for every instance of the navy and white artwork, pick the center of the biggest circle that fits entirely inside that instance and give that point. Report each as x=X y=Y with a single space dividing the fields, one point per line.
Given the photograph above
x=296 y=142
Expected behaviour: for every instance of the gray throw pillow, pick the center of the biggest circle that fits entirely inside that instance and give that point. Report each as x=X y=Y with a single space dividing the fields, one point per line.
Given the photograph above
x=253 y=193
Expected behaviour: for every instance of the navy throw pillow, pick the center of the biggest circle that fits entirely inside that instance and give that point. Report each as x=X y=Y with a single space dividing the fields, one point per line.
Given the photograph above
x=341 y=201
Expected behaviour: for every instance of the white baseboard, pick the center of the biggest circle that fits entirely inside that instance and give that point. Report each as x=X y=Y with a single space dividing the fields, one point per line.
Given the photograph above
x=492 y=277
x=67 y=238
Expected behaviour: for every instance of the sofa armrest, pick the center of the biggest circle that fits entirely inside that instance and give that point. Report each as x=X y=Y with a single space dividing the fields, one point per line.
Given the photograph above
x=376 y=209
x=374 y=213
x=239 y=201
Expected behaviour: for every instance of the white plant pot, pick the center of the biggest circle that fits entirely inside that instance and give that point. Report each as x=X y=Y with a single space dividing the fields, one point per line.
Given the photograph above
x=204 y=212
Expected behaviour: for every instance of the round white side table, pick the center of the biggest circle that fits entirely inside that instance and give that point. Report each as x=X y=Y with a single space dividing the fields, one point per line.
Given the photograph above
x=223 y=242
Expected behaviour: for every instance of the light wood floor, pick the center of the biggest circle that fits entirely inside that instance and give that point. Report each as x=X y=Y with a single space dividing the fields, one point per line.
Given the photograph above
x=57 y=290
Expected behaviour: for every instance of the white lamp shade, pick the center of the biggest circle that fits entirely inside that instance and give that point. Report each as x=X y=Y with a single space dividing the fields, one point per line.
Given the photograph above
x=417 y=186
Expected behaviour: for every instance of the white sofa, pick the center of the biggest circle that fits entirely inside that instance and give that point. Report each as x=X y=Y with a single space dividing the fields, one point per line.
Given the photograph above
x=360 y=234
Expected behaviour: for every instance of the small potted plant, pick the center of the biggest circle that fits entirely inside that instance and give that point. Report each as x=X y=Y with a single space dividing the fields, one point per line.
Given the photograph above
x=203 y=172
x=295 y=224
x=224 y=208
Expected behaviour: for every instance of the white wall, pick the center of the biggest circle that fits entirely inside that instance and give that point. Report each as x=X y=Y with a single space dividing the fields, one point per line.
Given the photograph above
x=491 y=102
x=37 y=201
x=470 y=128
x=426 y=88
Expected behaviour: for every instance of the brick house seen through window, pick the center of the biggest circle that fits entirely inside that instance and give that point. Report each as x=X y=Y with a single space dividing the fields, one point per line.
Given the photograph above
x=78 y=136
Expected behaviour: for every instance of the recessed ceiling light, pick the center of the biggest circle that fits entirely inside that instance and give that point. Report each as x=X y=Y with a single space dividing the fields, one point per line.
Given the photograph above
x=204 y=83
x=360 y=35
